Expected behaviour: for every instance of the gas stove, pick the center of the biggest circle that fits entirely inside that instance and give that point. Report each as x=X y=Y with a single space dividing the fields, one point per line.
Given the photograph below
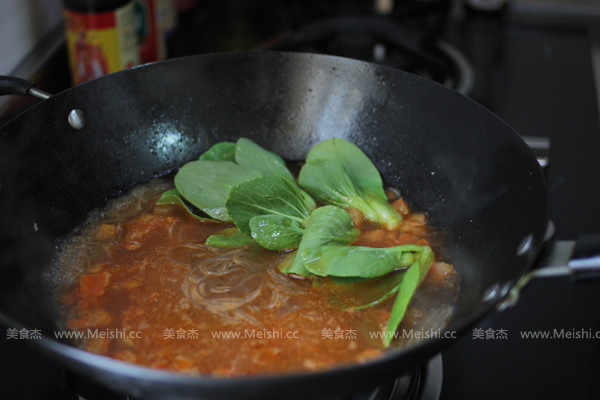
x=423 y=383
x=536 y=70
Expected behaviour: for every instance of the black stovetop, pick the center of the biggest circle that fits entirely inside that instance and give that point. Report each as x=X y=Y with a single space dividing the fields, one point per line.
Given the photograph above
x=541 y=83
x=539 y=79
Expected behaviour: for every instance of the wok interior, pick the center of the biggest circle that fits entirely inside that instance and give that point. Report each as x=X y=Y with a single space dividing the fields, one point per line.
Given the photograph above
x=478 y=182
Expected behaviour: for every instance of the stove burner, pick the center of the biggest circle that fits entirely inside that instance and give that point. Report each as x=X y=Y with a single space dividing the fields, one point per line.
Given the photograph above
x=424 y=383
x=386 y=42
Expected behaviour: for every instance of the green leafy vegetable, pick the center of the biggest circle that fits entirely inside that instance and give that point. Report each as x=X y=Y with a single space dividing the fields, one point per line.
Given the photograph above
x=286 y=265
x=251 y=186
x=358 y=166
x=406 y=290
x=230 y=237
x=275 y=232
x=393 y=283
x=267 y=195
x=328 y=181
x=326 y=225
x=206 y=184
x=339 y=173
x=425 y=261
x=222 y=151
x=250 y=154
x=372 y=291
x=415 y=274
x=358 y=261
x=173 y=197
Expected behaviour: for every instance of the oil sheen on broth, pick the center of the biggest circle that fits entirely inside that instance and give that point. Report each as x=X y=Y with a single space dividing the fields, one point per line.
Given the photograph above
x=140 y=282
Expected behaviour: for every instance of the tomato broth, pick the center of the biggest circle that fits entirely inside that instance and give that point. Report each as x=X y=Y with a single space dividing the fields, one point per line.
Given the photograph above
x=141 y=286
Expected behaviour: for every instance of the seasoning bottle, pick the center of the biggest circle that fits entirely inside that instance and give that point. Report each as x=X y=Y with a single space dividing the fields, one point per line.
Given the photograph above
x=154 y=18
x=167 y=17
x=101 y=37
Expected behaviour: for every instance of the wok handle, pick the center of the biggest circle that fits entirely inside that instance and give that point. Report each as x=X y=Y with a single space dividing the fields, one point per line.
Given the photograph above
x=10 y=85
x=585 y=260
x=580 y=260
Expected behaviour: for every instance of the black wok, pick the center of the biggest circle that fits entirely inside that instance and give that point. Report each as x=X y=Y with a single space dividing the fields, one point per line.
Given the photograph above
x=478 y=181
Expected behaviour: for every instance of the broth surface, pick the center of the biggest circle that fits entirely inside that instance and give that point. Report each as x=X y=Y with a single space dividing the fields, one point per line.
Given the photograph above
x=142 y=286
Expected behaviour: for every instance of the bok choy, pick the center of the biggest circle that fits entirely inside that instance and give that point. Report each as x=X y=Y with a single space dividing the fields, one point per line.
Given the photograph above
x=252 y=187
x=337 y=172
x=271 y=209
x=206 y=182
x=358 y=261
x=328 y=225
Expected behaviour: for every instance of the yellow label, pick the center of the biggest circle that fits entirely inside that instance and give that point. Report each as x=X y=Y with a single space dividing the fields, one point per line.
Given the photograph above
x=101 y=43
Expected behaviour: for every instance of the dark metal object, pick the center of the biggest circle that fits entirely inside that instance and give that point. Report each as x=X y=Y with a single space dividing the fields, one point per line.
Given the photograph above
x=585 y=261
x=540 y=147
x=401 y=47
x=76 y=118
x=579 y=260
x=12 y=85
x=18 y=86
x=479 y=182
